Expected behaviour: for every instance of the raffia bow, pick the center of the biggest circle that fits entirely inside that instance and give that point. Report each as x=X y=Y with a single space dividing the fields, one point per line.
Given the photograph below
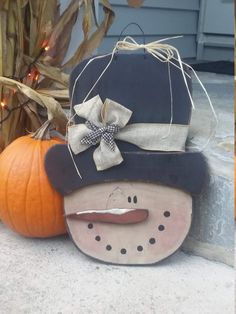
x=108 y=121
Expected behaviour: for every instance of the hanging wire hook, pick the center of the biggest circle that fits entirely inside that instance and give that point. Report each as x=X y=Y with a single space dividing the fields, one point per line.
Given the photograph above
x=140 y=28
x=135 y=24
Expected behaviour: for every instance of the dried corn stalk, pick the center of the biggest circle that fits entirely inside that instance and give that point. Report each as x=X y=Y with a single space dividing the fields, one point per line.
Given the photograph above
x=34 y=39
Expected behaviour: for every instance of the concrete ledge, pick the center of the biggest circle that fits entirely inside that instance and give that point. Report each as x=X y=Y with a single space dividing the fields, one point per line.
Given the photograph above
x=212 y=231
x=209 y=251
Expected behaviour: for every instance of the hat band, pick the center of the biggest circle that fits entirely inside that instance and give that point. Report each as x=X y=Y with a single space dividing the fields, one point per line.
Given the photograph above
x=155 y=136
x=147 y=136
x=108 y=121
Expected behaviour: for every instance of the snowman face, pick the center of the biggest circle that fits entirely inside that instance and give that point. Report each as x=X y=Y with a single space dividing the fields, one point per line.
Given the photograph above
x=128 y=222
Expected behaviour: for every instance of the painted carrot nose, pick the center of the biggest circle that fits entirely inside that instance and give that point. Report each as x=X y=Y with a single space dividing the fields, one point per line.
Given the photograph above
x=114 y=215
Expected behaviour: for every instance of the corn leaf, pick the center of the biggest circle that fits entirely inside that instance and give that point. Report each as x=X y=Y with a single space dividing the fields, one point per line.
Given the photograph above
x=10 y=43
x=55 y=112
x=50 y=72
x=33 y=29
x=89 y=45
x=20 y=38
x=87 y=20
x=4 y=5
x=57 y=93
x=60 y=37
x=43 y=17
x=23 y=3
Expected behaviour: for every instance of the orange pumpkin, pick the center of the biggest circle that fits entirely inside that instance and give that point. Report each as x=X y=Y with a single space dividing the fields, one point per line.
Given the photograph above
x=28 y=203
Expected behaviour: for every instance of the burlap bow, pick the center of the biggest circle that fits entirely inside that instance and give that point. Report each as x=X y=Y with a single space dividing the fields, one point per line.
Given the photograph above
x=107 y=121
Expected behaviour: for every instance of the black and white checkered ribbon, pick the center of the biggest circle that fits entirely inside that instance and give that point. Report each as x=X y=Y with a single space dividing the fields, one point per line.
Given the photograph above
x=107 y=133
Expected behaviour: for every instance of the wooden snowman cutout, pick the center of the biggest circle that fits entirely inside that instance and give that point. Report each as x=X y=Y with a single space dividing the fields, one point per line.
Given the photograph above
x=132 y=203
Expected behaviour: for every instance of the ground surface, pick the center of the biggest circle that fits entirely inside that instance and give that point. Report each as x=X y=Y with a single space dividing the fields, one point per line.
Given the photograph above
x=51 y=276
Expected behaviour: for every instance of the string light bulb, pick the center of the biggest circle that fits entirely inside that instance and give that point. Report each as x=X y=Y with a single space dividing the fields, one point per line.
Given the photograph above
x=3 y=104
x=46 y=48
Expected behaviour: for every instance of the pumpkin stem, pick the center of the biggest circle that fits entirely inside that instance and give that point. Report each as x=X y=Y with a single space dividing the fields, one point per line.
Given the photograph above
x=43 y=133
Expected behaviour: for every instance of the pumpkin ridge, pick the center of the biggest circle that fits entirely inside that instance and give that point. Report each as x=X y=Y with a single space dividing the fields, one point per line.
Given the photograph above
x=7 y=212
x=6 y=198
x=26 y=191
x=40 y=157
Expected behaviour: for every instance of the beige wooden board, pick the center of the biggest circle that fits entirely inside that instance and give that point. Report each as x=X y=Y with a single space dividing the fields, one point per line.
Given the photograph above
x=147 y=242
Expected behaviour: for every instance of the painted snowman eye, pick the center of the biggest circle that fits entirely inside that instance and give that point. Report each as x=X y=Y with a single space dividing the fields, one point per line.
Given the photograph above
x=129 y=199
x=135 y=199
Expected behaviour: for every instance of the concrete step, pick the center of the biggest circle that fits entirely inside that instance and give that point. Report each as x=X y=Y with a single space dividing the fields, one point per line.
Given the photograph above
x=212 y=231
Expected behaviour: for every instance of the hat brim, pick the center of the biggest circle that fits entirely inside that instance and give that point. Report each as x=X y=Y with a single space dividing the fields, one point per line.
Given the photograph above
x=185 y=171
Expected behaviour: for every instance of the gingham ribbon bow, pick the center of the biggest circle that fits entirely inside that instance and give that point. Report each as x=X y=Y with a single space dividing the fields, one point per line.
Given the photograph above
x=107 y=133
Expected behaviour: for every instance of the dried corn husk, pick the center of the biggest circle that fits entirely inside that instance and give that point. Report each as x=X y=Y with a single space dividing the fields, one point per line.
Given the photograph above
x=90 y=44
x=61 y=34
x=57 y=93
x=54 y=110
x=26 y=27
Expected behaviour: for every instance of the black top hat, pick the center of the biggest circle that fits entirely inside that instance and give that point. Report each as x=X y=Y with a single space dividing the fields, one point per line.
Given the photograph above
x=140 y=83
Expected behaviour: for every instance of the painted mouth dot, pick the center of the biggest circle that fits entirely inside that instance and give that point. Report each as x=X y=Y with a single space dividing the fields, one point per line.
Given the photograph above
x=98 y=238
x=123 y=251
x=139 y=248
x=90 y=226
x=161 y=228
x=167 y=214
x=108 y=248
x=152 y=241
